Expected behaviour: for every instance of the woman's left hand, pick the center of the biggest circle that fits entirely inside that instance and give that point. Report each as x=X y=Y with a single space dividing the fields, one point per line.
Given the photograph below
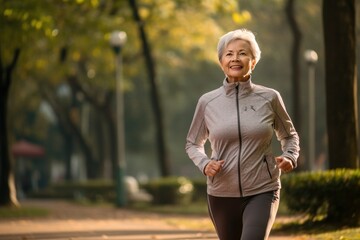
x=284 y=164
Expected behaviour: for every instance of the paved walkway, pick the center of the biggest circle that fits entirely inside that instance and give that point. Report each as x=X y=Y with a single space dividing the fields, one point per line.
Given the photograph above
x=73 y=222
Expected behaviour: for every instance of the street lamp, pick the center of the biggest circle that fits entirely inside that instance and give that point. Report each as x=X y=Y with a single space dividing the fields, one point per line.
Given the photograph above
x=117 y=41
x=311 y=59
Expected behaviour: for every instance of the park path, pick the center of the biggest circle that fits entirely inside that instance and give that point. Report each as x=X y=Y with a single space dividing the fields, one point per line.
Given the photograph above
x=69 y=221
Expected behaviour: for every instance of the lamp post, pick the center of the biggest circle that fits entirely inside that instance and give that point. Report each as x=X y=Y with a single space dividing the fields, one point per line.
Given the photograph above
x=311 y=59
x=117 y=41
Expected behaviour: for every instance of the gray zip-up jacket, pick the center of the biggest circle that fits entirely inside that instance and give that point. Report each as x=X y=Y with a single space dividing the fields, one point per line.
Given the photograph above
x=239 y=119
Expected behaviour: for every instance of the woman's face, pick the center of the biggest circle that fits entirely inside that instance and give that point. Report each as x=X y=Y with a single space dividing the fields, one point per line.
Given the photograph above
x=237 y=61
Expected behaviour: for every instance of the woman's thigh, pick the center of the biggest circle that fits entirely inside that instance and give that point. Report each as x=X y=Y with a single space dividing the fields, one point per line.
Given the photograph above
x=259 y=215
x=226 y=214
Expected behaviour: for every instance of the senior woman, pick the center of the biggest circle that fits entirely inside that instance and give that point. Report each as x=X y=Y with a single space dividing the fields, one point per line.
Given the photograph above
x=239 y=119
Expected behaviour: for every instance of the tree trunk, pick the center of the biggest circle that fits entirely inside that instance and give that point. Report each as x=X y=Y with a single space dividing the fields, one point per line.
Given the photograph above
x=150 y=65
x=106 y=110
x=66 y=119
x=295 y=62
x=68 y=151
x=72 y=126
x=295 y=71
x=341 y=83
x=7 y=181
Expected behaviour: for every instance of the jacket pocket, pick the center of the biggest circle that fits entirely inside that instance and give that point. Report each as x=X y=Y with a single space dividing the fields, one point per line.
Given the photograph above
x=268 y=168
x=212 y=178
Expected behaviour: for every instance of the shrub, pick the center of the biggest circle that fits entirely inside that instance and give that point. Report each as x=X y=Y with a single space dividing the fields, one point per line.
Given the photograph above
x=199 y=192
x=170 y=190
x=334 y=194
x=95 y=191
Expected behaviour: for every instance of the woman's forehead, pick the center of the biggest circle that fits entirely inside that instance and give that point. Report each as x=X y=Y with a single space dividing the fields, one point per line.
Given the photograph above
x=238 y=43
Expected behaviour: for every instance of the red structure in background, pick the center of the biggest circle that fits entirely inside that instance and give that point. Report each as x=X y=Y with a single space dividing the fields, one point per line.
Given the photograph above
x=24 y=148
x=27 y=171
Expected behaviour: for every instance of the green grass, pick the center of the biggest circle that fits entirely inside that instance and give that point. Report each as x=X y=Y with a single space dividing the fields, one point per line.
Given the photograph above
x=28 y=212
x=348 y=234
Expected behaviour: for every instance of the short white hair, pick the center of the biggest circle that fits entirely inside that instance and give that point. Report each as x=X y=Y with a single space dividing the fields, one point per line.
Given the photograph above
x=242 y=34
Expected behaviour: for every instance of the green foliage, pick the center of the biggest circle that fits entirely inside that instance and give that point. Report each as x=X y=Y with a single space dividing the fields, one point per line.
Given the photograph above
x=348 y=234
x=94 y=191
x=334 y=194
x=170 y=190
x=11 y=212
x=199 y=192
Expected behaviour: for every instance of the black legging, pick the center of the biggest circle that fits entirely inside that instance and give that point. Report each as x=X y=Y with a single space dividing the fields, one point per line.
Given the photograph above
x=244 y=218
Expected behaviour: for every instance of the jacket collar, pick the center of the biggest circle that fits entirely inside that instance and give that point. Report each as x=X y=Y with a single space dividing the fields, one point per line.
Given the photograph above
x=244 y=87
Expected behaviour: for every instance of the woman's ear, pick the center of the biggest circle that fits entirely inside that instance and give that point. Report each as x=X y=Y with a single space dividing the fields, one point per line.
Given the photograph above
x=253 y=64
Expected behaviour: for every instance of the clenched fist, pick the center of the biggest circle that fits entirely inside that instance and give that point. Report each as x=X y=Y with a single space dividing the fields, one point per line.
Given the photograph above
x=213 y=167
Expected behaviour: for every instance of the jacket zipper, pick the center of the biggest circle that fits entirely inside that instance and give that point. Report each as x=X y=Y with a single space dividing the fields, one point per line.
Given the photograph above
x=267 y=167
x=240 y=141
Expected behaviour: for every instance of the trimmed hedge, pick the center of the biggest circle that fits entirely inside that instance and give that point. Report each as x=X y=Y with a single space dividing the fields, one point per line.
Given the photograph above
x=333 y=194
x=95 y=191
x=170 y=190
x=199 y=193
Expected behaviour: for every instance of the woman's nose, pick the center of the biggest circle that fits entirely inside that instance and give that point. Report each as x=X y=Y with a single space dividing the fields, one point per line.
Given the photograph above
x=236 y=57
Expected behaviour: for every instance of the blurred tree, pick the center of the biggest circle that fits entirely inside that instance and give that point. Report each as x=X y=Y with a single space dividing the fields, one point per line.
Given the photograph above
x=164 y=161
x=12 y=42
x=295 y=61
x=68 y=119
x=7 y=183
x=295 y=73
x=341 y=83
x=68 y=69
x=22 y=25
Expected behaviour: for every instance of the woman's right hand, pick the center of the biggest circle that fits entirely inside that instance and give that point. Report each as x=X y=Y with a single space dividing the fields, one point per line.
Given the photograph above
x=213 y=167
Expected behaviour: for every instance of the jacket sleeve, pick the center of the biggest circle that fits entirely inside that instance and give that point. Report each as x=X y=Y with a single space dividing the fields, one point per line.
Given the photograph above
x=197 y=137
x=285 y=131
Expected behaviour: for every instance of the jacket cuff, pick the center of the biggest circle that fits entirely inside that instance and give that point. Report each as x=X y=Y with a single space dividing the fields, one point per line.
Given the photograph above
x=203 y=164
x=291 y=158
